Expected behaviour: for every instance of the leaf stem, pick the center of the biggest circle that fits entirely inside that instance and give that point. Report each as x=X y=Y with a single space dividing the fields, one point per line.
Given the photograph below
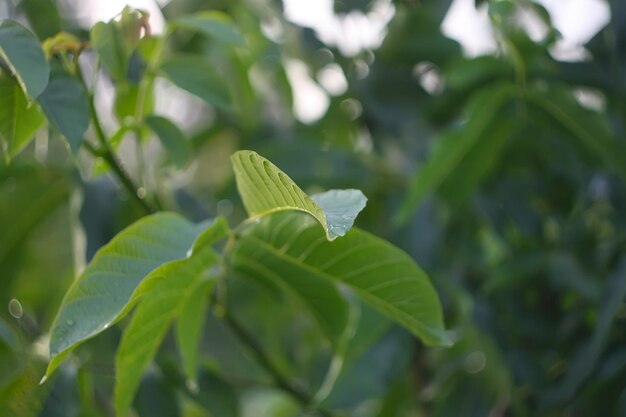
x=104 y=151
x=263 y=359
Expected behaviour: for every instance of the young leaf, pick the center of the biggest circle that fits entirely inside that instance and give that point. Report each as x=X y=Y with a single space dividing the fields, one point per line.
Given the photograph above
x=171 y=138
x=104 y=291
x=107 y=41
x=21 y=51
x=340 y=208
x=212 y=23
x=292 y=249
x=197 y=76
x=66 y=105
x=19 y=119
x=164 y=295
x=265 y=189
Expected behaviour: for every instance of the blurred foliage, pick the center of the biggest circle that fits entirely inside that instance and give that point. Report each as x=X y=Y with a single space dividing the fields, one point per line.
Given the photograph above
x=502 y=181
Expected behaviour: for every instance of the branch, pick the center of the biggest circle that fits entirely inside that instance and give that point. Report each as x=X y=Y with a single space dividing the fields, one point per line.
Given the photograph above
x=262 y=359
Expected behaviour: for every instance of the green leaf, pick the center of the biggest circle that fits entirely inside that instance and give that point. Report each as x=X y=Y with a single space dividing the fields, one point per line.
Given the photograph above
x=106 y=39
x=291 y=249
x=104 y=291
x=65 y=103
x=189 y=327
x=19 y=119
x=212 y=23
x=164 y=295
x=452 y=149
x=480 y=161
x=589 y=127
x=265 y=189
x=340 y=208
x=196 y=75
x=172 y=139
x=21 y=51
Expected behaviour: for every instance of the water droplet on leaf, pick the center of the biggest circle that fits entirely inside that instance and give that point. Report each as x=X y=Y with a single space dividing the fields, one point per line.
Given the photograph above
x=69 y=322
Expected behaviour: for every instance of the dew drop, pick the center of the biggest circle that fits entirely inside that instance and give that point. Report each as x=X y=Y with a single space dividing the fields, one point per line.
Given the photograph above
x=192 y=386
x=43 y=380
x=69 y=322
x=475 y=362
x=189 y=253
x=15 y=309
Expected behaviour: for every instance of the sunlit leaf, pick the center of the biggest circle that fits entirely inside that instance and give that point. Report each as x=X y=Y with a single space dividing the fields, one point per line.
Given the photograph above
x=265 y=189
x=103 y=292
x=291 y=250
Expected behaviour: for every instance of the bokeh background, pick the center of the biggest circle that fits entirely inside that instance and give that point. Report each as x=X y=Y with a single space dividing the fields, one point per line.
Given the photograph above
x=489 y=138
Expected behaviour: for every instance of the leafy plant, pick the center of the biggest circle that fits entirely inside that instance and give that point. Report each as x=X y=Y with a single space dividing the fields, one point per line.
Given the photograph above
x=163 y=263
x=502 y=175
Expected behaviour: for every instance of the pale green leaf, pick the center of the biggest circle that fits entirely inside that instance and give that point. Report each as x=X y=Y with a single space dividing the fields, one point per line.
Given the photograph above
x=163 y=296
x=172 y=139
x=103 y=292
x=265 y=189
x=65 y=103
x=22 y=52
x=189 y=327
x=291 y=250
x=214 y=24
x=340 y=208
x=106 y=39
x=19 y=119
x=197 y=76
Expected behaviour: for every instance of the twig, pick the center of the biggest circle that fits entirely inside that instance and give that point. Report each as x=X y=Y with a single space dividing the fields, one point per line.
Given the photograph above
x=262 y=359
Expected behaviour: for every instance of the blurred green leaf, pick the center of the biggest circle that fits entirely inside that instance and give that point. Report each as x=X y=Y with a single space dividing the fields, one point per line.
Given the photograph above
x=197 y=76
x=65 y=103
x=21 y=52
x=106 y=39
x=290 y=249
x=172 y=139
x=212 y=23
x=452 y=149
x=43 y=16
x=19 y=119
x=265 y=189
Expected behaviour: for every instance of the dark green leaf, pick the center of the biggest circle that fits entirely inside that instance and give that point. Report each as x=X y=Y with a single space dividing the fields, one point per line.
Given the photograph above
x=19 y=119
x=171 y=138
x=65 y=103
x=451 y=150
x=21 y=51
x=214 y=24
x=290 y=249
x=197 y=76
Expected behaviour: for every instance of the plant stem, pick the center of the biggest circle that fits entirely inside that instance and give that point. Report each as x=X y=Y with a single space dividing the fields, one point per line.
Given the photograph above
x=104 y=151
x=262 y=359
